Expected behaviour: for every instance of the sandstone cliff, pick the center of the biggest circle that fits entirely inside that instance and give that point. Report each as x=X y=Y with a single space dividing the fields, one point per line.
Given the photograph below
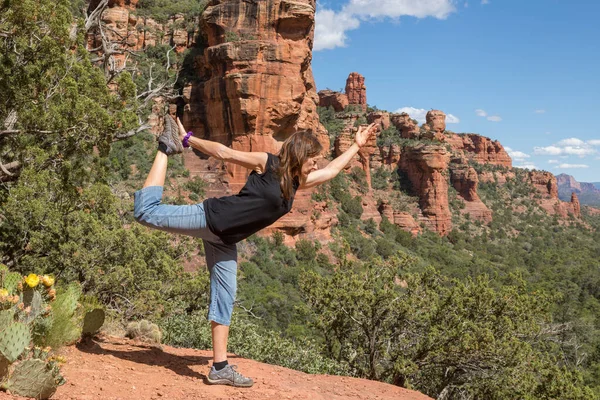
x=253 y=87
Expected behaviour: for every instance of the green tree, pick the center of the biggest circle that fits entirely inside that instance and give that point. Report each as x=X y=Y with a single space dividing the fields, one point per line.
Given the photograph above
x=446 y=338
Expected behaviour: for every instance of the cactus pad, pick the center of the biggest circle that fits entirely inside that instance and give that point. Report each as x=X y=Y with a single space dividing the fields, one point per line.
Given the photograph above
x=7 y=317
x=4 y=364
x=11 y=281
x=93 y=321
x=13 y=340
x=32 y=378
x=32 y=298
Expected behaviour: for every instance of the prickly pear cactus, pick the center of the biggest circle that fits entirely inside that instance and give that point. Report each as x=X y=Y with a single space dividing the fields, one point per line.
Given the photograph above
x=32 y=299
x=11 y=282
x=7 y=317
x=4 y=364
x=93 y=321
x=32 y=378
x=13 y=340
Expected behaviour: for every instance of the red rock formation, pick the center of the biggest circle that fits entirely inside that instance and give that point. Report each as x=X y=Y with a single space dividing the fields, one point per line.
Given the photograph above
x=435 y=125
x=465 y=180
x=380 y=118
x=402 y=219
x=576 y=206
x=425 y=166
x=409 y=129
x=356 y=90
x=257 y=88
x=545 y=183
x=329 y=98
x=482 y=149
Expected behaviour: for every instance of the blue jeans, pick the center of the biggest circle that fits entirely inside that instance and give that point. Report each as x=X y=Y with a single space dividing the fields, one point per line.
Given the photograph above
x=190 y=220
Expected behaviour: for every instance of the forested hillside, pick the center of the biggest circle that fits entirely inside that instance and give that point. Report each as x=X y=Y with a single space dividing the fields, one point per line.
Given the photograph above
x=499 y=308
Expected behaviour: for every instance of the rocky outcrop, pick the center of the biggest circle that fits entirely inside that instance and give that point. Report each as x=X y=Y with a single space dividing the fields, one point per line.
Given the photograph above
x=329 y=98
x=465 y=180
x=356 y=90
x=255 y=80
x=481 y=149
x=379 y=118
x=576 y=206
x=425 y=165
x=408 y=127
x=545 y=183
x=435 y=125
x=402 y=219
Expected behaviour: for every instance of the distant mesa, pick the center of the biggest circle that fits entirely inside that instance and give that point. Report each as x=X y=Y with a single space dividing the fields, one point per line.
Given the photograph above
x=588 y=193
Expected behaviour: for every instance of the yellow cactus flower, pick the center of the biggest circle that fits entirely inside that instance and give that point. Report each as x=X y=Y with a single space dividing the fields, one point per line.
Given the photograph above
x=32 y=280
x=47 y=280
x=3 y=293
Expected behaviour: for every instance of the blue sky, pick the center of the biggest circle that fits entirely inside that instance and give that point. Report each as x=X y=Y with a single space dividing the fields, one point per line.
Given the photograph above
x=523 y=72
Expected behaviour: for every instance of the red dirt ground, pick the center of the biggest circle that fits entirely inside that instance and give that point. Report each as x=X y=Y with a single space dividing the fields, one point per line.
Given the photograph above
x=111 y=368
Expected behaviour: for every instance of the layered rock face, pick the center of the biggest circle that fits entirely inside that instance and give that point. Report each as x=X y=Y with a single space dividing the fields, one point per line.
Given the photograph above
x=256 y=85
x=546 y=184
x=337 y=100
x=356 y=90
x=425 y=166
x=482 y=150
x=403 y=219
x=465 y=180
x=409 y=128
x=435 y=125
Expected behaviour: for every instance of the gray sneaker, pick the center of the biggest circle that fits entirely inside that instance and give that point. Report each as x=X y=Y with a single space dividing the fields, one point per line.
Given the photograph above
x=170 y=137
x=228 y=376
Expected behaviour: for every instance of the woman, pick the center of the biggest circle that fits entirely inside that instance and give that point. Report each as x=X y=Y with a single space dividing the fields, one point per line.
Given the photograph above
x=222 y=222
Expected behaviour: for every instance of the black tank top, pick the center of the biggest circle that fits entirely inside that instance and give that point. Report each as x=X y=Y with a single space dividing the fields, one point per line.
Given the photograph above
x=259 y=204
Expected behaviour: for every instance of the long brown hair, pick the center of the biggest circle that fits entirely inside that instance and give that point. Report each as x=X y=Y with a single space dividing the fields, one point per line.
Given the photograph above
x=295 y=151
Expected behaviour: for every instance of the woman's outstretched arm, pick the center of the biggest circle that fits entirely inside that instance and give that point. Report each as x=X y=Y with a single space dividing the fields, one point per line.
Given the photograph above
x=248 y=159
x=338 y=164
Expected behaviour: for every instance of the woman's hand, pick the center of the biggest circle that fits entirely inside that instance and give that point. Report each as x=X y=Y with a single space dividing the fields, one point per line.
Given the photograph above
x=363 y=134
x=182 y=131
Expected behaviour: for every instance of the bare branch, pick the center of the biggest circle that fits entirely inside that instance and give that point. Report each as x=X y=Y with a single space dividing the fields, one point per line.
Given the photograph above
x=93 y=19
x=133 y=132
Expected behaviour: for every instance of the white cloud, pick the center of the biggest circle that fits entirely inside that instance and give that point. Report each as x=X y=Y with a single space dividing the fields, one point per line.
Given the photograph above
x=553 y=161
x=527 y=165
x=452 y=119
x=331 y=26
x=516 y=155
x=540 y=111
x=483 y=113
x=420 y=115
x=567 y=147
x=571 y=142
x=485 y=1
x=565 y=166
x=594 y=142
x=548 y=151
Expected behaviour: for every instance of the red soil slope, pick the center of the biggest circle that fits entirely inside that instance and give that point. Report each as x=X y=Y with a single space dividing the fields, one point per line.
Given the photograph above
x=113 y=368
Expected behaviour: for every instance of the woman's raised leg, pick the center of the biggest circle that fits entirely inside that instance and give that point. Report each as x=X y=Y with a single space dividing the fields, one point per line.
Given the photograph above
x=158 y=172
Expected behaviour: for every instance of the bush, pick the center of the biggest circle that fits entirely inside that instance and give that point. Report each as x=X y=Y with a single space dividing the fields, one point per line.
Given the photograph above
x=352 y=206
x=248 y=340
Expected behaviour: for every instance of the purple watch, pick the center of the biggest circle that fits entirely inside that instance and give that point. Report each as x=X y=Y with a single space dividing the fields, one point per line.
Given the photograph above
x=186 y=138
